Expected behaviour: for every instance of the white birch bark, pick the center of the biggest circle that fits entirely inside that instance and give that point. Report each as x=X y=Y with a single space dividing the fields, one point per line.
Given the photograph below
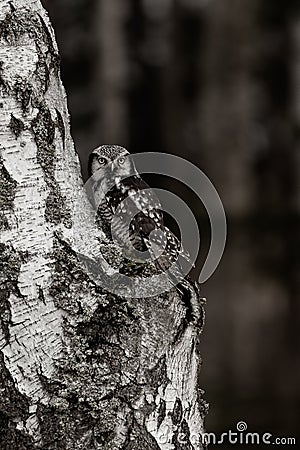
x=80 y=368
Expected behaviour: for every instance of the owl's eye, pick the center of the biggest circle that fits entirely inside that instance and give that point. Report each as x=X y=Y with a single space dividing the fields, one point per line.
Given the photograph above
x=102 y=161
x=121 y=160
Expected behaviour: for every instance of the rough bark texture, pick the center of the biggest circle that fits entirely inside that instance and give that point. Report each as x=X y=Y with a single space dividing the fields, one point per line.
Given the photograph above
x=80 y=368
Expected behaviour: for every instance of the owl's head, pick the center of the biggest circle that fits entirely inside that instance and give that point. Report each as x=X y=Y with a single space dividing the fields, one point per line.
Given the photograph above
x=111 y=159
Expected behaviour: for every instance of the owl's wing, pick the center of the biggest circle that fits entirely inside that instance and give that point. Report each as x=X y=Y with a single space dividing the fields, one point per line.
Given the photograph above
x=133 y=209
x=142 y=206
x=143 y=211
x=153 y=221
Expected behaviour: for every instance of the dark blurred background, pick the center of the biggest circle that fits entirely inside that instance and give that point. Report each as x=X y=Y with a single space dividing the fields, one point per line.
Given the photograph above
x=216 y=82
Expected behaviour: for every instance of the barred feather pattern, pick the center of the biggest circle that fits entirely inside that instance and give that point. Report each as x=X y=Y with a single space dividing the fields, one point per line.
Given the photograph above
x=134 y=211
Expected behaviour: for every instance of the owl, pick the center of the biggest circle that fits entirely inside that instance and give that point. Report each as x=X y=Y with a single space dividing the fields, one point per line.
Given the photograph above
x=128 y=211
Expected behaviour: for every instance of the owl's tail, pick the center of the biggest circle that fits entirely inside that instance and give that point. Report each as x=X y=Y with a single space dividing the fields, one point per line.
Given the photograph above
x=189 y=291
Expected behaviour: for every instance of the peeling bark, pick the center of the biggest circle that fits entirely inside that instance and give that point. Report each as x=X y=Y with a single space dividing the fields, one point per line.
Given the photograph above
x=80 y=368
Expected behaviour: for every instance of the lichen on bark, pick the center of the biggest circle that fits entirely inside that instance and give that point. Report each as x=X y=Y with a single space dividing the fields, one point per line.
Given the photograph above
x=16 y=125
x=14 y=407
x=43 y=128
x=7 y=194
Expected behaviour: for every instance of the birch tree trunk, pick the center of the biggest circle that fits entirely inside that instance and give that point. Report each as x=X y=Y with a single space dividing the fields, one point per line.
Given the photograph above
x=80 y=368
